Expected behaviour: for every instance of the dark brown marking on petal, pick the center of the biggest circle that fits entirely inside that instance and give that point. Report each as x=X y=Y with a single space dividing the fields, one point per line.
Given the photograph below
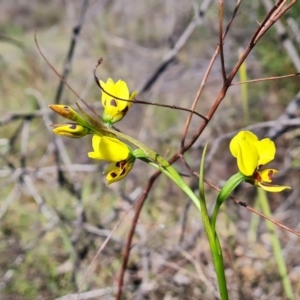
x=73 y=126
x=113 y=102
x=125 y=110
x=257 y=176
x=271 y=174
x=122 y=164
x=123 y=172
x=67 y=108
x=113 y=175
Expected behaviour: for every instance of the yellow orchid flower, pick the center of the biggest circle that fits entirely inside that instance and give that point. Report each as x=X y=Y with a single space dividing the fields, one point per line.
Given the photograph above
x=113 y=150
x=251 y=154
x=115 y=109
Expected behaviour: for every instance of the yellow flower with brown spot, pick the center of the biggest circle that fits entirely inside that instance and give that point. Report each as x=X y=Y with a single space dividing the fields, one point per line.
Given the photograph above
x=251 y=155
x=114 y=108
x=114 y=151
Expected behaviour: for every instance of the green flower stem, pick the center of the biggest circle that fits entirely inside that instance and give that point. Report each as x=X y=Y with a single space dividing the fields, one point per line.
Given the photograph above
x=201 y=206
x=226 y=190
x=217 y=254
x=215 y=247
x=263 y=201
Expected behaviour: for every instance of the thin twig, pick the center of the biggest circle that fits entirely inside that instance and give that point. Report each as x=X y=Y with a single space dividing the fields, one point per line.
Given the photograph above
x=204 y=80
x=221 y=39
x=265 y=79
x=243 y=204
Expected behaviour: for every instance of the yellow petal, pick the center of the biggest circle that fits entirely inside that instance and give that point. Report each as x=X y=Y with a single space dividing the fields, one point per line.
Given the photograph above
x=266 y=150
x=250 y=136
x=273 y=188
x=108 y=87
x=108 y=148
x=241 y=136
x=123 y=93
x=132 y=95
x=247 y=157
x=96 y=142
x=96 y=146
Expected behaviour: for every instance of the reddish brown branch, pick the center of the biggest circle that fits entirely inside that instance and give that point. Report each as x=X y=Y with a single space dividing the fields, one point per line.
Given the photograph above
x=221 y=39
x=138 y=209
x=204 y=80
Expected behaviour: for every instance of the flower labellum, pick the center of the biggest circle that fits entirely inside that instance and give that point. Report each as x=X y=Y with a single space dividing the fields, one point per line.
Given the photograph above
x=117 y=171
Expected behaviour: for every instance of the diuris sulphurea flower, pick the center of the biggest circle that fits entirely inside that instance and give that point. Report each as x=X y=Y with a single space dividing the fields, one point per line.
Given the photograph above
x=251 y=155
x=114 y=108
x=116 y=152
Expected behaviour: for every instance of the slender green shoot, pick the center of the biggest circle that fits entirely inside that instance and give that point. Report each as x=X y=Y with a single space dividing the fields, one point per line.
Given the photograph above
x=213 y=239
x=226 y=190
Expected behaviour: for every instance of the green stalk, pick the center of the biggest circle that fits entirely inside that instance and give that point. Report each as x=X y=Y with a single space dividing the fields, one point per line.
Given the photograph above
x=263 y=200
x=213 y=239
x=226 y=190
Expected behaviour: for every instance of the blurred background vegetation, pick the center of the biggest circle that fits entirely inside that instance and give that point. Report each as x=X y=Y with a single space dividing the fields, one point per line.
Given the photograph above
x=52 y=223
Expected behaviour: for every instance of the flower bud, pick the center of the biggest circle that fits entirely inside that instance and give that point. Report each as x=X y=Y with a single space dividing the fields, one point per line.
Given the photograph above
x=69 y=113
x=71 y=130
